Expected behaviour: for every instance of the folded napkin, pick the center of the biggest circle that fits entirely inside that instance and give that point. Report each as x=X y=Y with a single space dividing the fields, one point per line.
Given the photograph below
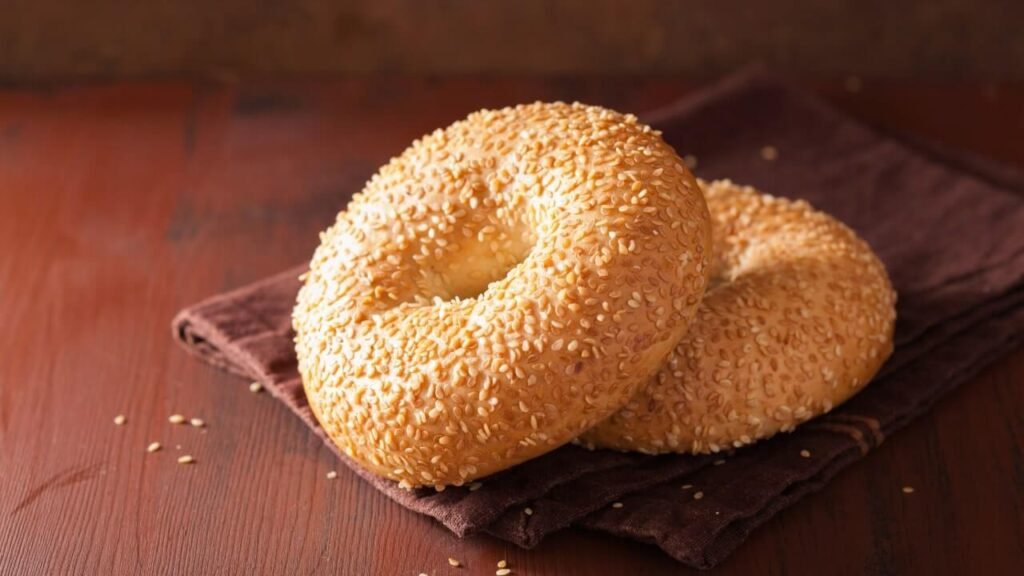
x=949 y=228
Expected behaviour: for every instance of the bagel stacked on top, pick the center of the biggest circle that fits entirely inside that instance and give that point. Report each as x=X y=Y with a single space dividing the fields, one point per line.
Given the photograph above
x=499 y=288
x=531 y=275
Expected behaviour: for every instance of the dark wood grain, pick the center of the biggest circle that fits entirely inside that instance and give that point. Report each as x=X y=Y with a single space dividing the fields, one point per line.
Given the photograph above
x=120 y=204
x=41 y=40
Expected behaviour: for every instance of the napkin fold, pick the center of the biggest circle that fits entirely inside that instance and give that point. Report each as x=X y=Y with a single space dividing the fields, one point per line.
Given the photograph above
x=948 y=226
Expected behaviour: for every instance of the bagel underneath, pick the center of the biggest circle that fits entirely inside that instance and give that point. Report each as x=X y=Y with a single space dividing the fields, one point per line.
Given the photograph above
x=798 y=316
x=502 y=286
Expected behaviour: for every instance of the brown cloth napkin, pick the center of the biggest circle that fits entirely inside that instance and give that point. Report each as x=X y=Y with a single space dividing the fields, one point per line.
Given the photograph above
x=950 y=229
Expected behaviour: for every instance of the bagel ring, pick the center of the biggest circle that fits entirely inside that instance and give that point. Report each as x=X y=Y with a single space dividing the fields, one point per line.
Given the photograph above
x=502 y=286
x=798 y=316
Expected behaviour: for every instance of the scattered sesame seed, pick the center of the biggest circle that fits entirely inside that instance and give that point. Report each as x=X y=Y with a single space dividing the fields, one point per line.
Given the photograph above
x=805 y=453
x=197 y=422
x=502 y=563
x=454 y=562
x=698 y=495
x=686 y=486
x=769 y=153
x=616 y=504
x=502 y=572
x=475 y=486
x=528 y=511
x=153 y=447
x=176 y=419
x=908 y=489
x=186 y=459
x=255 y=387
x=120 y=419
x=332 y=475
x=719 y=462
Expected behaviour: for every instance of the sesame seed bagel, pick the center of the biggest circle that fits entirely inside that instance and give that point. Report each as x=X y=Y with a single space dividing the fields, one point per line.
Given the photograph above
x=798 y=316
x=500 y=287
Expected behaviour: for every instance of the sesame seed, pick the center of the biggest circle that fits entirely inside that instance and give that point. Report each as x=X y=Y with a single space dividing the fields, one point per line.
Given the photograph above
x=616 y=504
x=475 y=486
x=153 y=447
x=502 y=563
x=698 y=495
x=255 y=387
x=908 y=489
x=176 y=419
x=186 y=459
x=686 y=486
x=805 y=453
x=719 y=462
x=528 y=511
x=769 y=153
x=197 y=422
x=119 y=420
x=502 y=572
x=454 y=562
x=332 y=475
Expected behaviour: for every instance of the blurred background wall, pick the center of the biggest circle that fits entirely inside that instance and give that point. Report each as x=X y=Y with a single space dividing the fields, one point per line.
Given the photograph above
x=43 y=40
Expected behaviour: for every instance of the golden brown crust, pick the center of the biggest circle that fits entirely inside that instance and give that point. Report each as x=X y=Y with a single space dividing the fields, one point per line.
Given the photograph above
x=798 y=316
x=498 y=288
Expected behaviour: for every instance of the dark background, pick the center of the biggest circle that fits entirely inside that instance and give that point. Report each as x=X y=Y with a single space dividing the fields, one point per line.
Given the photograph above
x=41 y=40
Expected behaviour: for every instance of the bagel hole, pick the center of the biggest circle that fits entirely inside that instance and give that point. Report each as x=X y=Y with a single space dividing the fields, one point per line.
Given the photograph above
x=714 y=282
x=481 y=264
x=721 y=271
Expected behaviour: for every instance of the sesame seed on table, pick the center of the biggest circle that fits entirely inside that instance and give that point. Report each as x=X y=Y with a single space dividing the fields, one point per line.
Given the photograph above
x=124 y=202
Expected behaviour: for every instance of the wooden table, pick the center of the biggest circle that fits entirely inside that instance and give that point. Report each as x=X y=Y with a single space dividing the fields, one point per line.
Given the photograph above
x=119 y=204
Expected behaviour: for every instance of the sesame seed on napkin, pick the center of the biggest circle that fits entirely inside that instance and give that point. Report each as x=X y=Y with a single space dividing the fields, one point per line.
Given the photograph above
x=949 y=228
